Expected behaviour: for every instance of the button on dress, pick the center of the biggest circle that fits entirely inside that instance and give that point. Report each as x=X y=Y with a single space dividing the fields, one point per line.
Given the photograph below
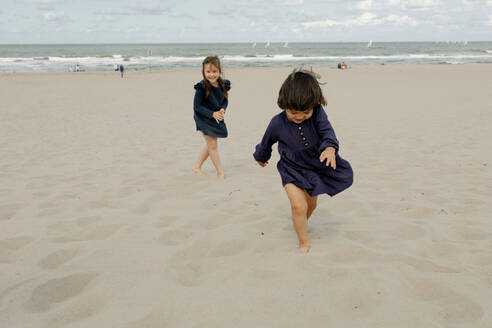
x=300 y=146
x=204 y=108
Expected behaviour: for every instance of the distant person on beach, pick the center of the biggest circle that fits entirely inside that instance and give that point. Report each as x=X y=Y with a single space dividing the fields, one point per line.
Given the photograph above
x=339 y=66
x=122 y=70
x=209 y=106
x=116 y=67
x=344 y=66
x=309 y=161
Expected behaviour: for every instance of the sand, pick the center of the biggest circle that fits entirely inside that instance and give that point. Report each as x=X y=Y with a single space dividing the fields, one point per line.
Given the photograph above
x=103 y=224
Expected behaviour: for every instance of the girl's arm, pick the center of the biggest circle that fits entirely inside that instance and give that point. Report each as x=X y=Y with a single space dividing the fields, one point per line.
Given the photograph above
x=225 y=102
x=325 y=131
x=197 y=103
x=264 y=148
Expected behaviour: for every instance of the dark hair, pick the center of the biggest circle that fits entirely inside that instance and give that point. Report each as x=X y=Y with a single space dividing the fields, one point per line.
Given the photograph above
x=301 y=91
x=214 y=60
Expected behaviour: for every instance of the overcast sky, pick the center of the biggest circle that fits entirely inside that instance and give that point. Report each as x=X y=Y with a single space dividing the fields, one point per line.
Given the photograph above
x=160 y=21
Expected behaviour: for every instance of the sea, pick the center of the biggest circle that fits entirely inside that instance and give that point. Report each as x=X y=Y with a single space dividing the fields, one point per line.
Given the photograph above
x=104 y=57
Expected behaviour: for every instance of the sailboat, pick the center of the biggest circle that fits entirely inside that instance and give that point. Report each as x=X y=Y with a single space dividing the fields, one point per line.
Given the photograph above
x=286 y=44
x=369 y=44
x=267 y=44
x=253 y=45
x=465 y=43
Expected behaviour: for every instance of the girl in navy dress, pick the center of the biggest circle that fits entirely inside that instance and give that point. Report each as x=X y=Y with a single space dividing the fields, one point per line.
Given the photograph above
x=209 y=108
x=309 y=161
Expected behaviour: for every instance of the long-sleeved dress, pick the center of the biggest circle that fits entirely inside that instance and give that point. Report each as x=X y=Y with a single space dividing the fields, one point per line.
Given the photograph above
x=300 y=146
x=204 y=108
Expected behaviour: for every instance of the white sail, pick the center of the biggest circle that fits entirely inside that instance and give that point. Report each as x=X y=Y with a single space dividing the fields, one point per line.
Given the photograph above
x=286 y=44
x=369 y=44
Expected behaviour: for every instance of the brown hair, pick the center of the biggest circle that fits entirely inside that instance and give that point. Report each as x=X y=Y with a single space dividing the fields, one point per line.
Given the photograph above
x=301 y=91
x=213 y=60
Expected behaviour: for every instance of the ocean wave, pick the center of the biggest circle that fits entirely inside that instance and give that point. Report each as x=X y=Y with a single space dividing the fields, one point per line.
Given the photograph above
x=106 y=62
x=235 y=58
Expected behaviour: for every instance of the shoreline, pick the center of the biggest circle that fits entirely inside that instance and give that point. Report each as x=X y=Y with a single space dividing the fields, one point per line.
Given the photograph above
x=226 y=69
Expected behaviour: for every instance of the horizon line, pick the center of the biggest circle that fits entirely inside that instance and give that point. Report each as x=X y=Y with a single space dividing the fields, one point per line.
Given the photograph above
x=235 y=42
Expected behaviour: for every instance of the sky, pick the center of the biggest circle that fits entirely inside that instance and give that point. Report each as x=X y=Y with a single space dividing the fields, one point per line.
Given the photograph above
x=190 y=21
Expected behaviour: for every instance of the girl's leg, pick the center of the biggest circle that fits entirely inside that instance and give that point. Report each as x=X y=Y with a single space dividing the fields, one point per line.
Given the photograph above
x=312 y=202
x=199 y=162
x=299 y=206
x=213 y=152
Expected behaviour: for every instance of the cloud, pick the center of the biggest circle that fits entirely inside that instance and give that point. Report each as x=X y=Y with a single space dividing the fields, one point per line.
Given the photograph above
x=106 y=18
x=141 y=7
x=56 y=17
x=181 y=15
x=364 y=5
x=136 y=9
x=474 y=2
x=44 y=1
x=221 y=11
x=290 y=2
x=415 y=4
x=363 y=20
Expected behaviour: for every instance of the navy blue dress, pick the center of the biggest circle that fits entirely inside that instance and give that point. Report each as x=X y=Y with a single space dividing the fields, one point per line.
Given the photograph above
x=204 y=109
x=300 y=146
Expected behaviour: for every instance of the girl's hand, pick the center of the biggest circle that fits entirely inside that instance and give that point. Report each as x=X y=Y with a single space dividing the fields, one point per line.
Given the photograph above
x=329 y=155
x=218 y=116
x=222 y=114
x=262 y=164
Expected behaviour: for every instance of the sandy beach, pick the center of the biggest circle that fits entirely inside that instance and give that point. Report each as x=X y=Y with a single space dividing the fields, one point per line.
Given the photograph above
x=103 y=223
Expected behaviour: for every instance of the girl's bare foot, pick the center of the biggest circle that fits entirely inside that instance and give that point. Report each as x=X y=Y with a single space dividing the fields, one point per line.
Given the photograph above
x=221 y=175
x=197 y=170
x=303 y=247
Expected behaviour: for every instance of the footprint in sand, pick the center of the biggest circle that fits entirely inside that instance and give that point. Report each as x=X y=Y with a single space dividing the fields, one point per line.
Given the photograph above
x=196 y=251
x=406 y=232
x=456 y=308
x=40 y=195
x=97 y=233
x=229 y=248
x=354 y=303
x=48 y=204
x=187 y=275
x=57 y=258
x=350 y=254
x=81 y=308
x=50 y=212
x=174 y=237
x=88 y=220
x=419 y=264
x=10 y=245
x=58 y=290
x=166 y=221
x=8 y=211
x=204 y=224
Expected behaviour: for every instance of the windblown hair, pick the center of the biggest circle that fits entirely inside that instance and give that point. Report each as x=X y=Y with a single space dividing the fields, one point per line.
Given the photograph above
x=301 y=91
x=213 y=60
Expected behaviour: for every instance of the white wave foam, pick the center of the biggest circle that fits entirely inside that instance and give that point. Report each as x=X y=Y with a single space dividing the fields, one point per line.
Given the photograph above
x=58 y=63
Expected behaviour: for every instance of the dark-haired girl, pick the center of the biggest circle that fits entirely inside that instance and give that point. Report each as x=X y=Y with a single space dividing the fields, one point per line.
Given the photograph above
x=309 y=161
x=209 y=106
